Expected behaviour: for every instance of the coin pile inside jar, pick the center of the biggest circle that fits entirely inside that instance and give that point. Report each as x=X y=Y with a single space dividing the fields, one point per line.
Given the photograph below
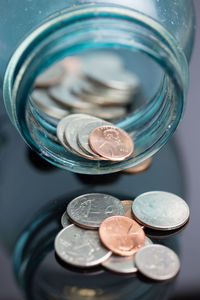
x=94 y=138
x=101 y=229
x=95 y=84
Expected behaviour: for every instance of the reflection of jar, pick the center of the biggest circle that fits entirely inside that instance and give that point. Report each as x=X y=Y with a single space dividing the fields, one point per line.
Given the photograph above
x=152 y=38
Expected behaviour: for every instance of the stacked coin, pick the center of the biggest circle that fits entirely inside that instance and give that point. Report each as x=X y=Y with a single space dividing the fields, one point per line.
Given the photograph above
x=96 y=84
x=120 y=244
x=94 y=138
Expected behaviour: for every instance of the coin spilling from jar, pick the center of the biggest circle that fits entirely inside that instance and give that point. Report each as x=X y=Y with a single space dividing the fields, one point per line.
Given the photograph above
x=100 y=229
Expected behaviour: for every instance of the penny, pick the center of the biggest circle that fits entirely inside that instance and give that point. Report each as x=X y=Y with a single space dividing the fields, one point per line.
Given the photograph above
x=51 y=76
x=128 y=208
x=121 y=235
x=160 y=210
x=65 y=220
x=123 y=264
x=84 y=132
x=47 y=105
x=80 y=247
x=140 y=167
x=71 y=133
x=157 y=262
x=111 y=142
x=90 y=210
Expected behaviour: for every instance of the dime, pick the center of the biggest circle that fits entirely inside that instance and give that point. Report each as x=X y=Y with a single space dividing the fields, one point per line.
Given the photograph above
x=108 y=113
x=51 y=76
x=160 y=210
x=121 y=235
x=71 y=133
x=111 y=142
x=80 y=247
x=157 y=262
x=90 y=210
x=65 y=220
x=61 y=93
x=61 y=130
x=128 y=208
x=84 y=132
x=140 y=167
x=47 y=105
x=121 y=264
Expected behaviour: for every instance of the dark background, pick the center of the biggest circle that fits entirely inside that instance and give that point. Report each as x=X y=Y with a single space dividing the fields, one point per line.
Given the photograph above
x=187 y=284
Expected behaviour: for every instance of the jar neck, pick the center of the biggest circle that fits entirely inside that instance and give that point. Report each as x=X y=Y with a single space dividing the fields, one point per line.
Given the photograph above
x=95 y=27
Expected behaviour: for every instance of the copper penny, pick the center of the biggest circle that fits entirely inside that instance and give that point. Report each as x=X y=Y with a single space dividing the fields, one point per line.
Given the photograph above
x=128 y=208
x=140 y=167
x=121 y=235
x=111 y=142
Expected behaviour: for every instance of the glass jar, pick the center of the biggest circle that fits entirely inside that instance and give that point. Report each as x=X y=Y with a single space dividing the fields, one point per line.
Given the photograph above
x=153 y=38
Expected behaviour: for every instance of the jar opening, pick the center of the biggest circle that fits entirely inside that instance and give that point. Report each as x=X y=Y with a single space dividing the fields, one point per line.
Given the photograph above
x=84 y=38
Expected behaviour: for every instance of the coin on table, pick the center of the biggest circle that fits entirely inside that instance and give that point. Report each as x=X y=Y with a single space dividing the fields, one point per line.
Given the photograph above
x=111 y=142
x=157 y=262
x=160 y=210
x=61 y=132
x=122 y=264
x=121 y=235
x=71 y=134
x=128 y=208
x=90 y=210
x=44 y=102
x=80 y=247
x=51 y=76
x=84 y=132
x=65 y=220
x=141 y=167
x=62 y=95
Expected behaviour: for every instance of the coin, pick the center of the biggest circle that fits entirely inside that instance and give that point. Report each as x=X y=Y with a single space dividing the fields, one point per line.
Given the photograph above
x=157 y=262
x=84 y=132
x=65 y=220
x=90 y=210
x=80 y=247
x=111 y=142
x=140 y=167
x=71 y=133
x=108 y=113
x=121 y=235
x=51 y=76
x=47 y=105
x=61 y=93
x=160 y=210
x=122 y=264
x=128 y=208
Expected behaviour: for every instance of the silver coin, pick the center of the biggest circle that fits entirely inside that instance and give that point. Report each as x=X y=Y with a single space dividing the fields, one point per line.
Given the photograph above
x=71 y=133
x=61 y=132
x=157 y=262
x=65 y=220
x=47 y=105
x=108 y=113
x=80 y=247
x=62 y=94
x=122 y=264
x=84 y=132
x=160 y=210
x=51 y=76
x=90 y=210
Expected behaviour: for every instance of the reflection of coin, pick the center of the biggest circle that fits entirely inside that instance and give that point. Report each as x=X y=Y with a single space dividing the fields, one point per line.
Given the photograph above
x=80 y=247
x=90 y=210
x=128 y=208
x=157 y=262
x=111 y=142
x=51 y=76
x=121 y=264
x=160 y=210
x=121 y=235
x=140 y=167
x=108 y=113
x=65 y=220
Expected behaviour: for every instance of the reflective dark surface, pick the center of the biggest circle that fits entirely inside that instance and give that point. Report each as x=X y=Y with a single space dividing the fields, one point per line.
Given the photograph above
x=34 y=195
